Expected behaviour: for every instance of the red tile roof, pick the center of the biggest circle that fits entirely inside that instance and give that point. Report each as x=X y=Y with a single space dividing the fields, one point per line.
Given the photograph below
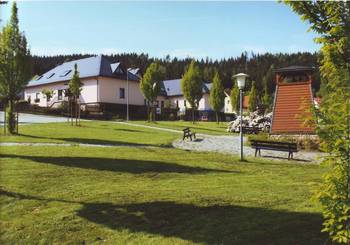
x=290 y=107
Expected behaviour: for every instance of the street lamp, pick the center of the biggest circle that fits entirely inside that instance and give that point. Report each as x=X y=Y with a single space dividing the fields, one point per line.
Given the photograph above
x=241 y=77
x=127 y=94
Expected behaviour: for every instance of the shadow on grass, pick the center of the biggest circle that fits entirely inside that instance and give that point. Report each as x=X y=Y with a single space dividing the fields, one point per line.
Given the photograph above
x=97 y=141
x=117 y=165
x=286 y=158
x=214 y=224
x=211 y=224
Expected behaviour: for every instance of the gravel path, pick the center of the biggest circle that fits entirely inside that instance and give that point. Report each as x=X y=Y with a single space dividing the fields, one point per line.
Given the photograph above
x=231 y=145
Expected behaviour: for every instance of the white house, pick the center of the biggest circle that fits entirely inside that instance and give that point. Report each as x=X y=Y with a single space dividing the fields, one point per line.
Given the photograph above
x=103 y=83
x=105 y=88
x=172 y=95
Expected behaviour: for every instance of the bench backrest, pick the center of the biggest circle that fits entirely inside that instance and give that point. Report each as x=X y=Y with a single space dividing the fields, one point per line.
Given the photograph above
x=186 y=130
x=274 y=144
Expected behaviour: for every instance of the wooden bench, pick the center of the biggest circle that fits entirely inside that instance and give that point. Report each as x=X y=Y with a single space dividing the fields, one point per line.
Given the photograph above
x=274 y=146
x=251 y=130
x=188 y=134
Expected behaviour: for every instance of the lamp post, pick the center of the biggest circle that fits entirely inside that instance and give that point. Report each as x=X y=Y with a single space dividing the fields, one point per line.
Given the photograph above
x=240 y=77
x=127 y=94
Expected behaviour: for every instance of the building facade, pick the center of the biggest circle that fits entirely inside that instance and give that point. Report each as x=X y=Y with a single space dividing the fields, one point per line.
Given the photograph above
x=106 y=86
x=103 y=83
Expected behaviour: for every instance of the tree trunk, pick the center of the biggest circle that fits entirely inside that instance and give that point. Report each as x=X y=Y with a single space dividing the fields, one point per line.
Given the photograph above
x=76 y=110
x=217 y=117
x=148 y=112
x=10 y=118
x=5 y=125
x=71 y=111
x=79 y=114
x=192 y=115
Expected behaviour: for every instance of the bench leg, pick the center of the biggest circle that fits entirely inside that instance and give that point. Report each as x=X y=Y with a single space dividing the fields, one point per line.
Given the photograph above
x=183 y=138
x=256 y=151
x=194 y=135
x=191 y=137
x=259 y=152
x=289 y=155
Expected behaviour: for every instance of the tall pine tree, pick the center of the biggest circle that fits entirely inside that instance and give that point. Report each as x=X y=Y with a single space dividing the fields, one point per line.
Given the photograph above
x=15 y=69
x=253 y=98
x=192 y=87
x=217 y=95
x=75 y=87
x=150 y=85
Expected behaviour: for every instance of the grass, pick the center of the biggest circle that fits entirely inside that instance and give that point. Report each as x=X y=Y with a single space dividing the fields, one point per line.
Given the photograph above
x=149 y=195
x=211 y=128
x=91 y=132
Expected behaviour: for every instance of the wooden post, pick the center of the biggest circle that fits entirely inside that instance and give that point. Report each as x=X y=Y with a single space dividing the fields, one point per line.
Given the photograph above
x=17 y=122
x=79 y=107
x=4 y=119
x=76 y=111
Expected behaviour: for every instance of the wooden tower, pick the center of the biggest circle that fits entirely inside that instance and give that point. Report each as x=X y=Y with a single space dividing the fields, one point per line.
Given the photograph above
x=293 y=98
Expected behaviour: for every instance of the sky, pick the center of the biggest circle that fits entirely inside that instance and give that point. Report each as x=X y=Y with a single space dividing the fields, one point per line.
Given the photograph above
x=180 y=29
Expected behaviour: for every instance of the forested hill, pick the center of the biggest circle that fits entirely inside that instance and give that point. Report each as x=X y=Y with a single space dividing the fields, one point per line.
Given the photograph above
x=256 y=65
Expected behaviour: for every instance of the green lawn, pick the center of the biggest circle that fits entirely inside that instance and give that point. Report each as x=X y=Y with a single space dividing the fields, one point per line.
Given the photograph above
x=200 y=127
x=148 y=195
x=91 y=132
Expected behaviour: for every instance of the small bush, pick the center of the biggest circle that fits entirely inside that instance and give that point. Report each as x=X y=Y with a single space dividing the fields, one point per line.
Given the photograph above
x=172 y=117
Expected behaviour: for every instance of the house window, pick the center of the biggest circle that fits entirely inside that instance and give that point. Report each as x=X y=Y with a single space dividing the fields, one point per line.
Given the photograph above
x=184 y=103
x=51 y=75
x=162 y=103
x=59 y=94
x=157 y=103
x=177 y=104
x=122 y=93
x=37 y=100
x=65 y=73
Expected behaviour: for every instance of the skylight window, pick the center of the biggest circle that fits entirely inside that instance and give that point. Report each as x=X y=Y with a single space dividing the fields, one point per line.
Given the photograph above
x=51 y=75
x=65 y=73
x=39 y=77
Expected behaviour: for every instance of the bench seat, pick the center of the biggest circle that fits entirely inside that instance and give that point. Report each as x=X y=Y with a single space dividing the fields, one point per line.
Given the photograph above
x=289 y=147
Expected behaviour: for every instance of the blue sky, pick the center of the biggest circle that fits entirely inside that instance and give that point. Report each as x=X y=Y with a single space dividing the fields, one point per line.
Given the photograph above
x=180 y=29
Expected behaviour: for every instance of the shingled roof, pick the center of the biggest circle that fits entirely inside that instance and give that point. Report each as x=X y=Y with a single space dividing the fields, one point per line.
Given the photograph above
x=294 y=69
x=289 y=108
x=87 y=67
x=173 y=87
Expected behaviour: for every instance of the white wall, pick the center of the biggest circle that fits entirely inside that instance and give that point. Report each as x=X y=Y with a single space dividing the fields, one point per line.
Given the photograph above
x=228 y=106
x=88 y=93
x=32 y=91
x=109 y=91
x=203 y=103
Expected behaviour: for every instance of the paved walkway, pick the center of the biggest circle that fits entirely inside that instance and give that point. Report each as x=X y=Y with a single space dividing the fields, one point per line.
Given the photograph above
x=26 y=118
